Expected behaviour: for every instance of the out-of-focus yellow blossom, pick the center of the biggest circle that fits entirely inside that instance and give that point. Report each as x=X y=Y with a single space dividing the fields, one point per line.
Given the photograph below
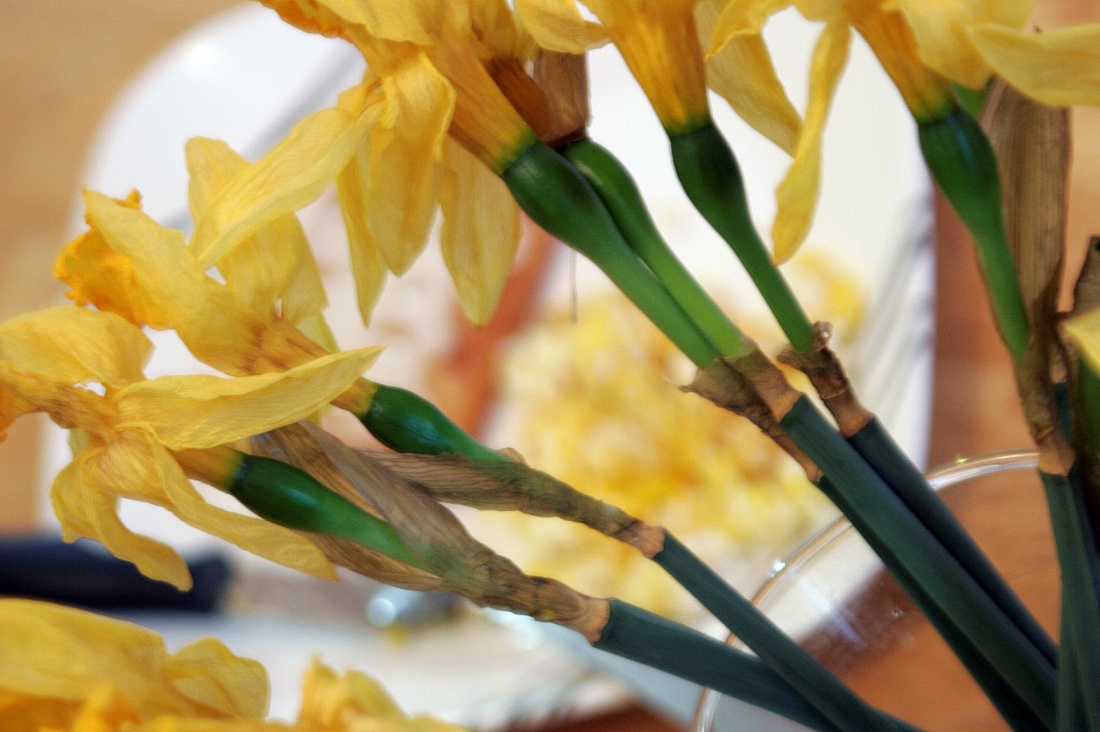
x=249 y=325
x=660 y=42
x=123 y=438
x=624 y=432
x=431 y=90
x=65 y=668
x=922 y=46
x=68 y=670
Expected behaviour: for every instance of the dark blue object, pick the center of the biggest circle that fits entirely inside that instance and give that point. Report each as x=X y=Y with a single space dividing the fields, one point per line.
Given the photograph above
x=46 y=568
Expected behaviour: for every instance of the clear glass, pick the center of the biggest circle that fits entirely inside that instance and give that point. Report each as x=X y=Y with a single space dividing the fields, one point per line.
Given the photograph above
x=835 y=597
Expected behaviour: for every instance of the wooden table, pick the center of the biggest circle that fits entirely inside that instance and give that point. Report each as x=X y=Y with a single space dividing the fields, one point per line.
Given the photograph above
x=63 y=61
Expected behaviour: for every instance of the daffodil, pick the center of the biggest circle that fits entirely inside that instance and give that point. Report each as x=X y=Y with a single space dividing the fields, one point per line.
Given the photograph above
x=254 y=323
x=661 y=43
x=922 y=46
x=442 y=131
x=72 y=670
x=431 y=58
x=129 y=440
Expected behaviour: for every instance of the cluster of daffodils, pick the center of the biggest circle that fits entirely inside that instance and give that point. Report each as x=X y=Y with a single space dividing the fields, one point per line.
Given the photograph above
x=479 y=110
x=71 y=671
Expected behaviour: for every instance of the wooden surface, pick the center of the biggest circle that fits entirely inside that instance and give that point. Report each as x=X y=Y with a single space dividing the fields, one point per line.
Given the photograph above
x=63 y=61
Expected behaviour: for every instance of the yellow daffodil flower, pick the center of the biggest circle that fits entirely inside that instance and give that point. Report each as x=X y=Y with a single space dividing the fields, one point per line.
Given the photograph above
x=68 y=669
x=661 y=43
x=62 y=665
x=430 y=89
x=124 y=439
x=922 y=46
x=250 y=325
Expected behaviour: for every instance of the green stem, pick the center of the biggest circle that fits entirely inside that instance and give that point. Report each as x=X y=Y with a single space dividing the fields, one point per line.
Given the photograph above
x=1006 y=648
x=291 y=497
x=662 y=644
x=406 y=422
x=711 y=178
x=1080 y=582
x=620 y=195
x=875 y=445
x=1011 y=708
x=561 y=201
x=1072 y=715
x=964 y=165
x=801 y=670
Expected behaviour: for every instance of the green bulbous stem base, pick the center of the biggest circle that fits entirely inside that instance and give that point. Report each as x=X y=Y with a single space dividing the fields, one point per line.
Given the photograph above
x=712 y=180
x=558 y=198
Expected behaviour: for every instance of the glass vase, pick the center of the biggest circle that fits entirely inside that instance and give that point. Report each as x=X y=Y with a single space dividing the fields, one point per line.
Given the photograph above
x=835 y=597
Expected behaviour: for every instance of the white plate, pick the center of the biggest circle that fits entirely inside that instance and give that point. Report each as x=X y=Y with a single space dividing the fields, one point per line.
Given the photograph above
x=246 y=77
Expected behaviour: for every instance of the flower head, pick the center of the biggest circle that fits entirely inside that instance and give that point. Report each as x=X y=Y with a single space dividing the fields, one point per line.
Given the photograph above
x=68 y=669
x=922 y=46
x=443 y=131
x=123 y=439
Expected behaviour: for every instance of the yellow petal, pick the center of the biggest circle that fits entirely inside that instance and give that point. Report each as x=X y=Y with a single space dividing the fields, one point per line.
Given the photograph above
x=367 y=266
x=211 y=320
x=406 y=156
x=209 y=674
x=737 y=18
x=275 y=265
x=58 y=652
x=289 y=176
x=742 y=73
x=797 y=194
x=329 y=699
x=86 y=504
x=310 y=16
x=97 y=674
x=480 y=232
x=557 y=25
x=1059 y=68
x=1084 y=330
x=203 y=411
x=75 y=346
x=105 y=709
x=98 y=275
x=940 y=29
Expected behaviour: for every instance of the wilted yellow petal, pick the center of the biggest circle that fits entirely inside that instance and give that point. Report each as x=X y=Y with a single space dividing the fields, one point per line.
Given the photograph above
x=57 y=652
x=289 y=176
x=480 y=232
x=201 y=410
x=557 y=25
x=367 y=266
x=1085 y=331
x=275 y=265
x=797 y=194
x=329 y=699
x=210 y=674
x=86 y=504
x=96 y=674
x=742 y=73
x=214 y=324
x=99 y=276
x=310 y=16
x=940 y=28
x=106 y=709
x=1060 y=68
x=738 y=18
x=406 y=156
x=75 y=346
x=660 y=44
